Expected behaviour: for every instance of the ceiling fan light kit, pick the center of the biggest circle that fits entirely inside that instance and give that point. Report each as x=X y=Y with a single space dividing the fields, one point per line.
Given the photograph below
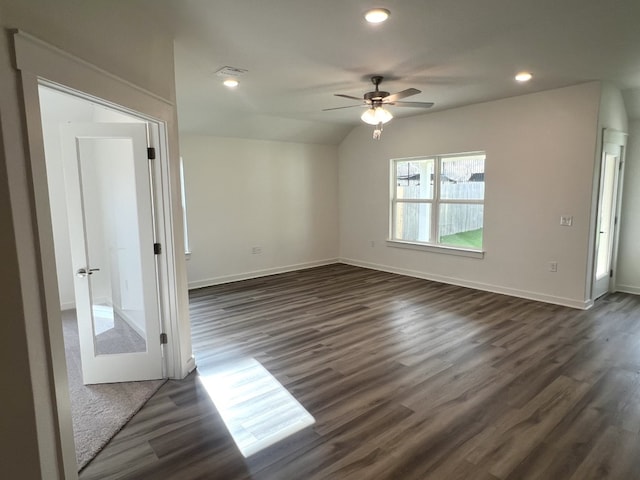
x=376 y=114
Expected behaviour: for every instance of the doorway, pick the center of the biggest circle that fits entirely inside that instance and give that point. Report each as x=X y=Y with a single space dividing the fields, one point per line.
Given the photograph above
x=607 y=226
x=102 y=215
x=39 y=63
x=103 y=225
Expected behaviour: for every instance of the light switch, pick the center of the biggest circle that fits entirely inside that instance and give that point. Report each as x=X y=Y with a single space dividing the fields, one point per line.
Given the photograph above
x=566 y=220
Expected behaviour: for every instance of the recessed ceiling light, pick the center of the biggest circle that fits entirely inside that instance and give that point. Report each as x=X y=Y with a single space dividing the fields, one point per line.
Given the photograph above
x=524 y=76
x=230 y=82
x=377 y=15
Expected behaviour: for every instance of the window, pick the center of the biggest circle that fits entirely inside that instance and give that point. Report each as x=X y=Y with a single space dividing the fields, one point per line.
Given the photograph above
x=438 y=200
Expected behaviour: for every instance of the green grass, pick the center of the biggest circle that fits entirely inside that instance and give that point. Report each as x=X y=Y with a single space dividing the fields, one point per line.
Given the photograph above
x=468 y=239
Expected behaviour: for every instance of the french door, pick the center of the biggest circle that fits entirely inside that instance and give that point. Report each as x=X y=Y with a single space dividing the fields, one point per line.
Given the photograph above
x=111 y=228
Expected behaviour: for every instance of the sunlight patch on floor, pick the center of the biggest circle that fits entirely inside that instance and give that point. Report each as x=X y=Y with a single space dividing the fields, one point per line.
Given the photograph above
x=256 y=409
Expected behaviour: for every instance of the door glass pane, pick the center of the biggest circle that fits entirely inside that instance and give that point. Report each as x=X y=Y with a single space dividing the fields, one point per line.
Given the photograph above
x=462 y=178
x=113 y=245
x=414 y=179
x=461 y=225
x=413 y=222
x=606 y=215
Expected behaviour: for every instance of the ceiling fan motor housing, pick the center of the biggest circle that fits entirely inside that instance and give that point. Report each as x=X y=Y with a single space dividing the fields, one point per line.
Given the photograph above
x=377 y=95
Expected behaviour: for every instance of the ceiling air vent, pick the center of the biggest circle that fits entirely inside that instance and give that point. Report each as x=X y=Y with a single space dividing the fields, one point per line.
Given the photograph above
x=231 y=72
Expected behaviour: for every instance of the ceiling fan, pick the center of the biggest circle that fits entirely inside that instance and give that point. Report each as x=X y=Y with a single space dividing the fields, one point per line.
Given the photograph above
x=376 y=114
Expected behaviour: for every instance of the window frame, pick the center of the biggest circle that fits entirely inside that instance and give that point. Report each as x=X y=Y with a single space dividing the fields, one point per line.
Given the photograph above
x=435 y=202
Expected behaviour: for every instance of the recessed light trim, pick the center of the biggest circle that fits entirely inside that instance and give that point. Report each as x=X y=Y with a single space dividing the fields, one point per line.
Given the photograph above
x=523 y=77
x=377 y=15
x=230 y=82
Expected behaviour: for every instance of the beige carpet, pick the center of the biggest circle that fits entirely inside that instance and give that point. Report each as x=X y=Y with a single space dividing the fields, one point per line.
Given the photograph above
x=98 y=411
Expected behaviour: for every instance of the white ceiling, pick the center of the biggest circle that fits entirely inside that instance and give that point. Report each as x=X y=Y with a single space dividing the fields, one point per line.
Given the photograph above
x=298 y=53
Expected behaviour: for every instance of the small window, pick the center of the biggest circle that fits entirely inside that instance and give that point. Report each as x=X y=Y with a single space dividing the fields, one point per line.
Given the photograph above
x=439 y=200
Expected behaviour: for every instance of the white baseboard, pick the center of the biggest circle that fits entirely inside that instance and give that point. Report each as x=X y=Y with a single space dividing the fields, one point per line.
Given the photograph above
x=567 y=302
x=628 y=289
x=130 y=321
x=258 y=273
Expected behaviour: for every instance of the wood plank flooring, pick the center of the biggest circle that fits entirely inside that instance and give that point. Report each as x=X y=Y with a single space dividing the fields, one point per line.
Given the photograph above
x=407 y=379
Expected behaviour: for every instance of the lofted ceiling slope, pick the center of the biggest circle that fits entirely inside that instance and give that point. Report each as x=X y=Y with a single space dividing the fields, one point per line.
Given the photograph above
x=299 y=53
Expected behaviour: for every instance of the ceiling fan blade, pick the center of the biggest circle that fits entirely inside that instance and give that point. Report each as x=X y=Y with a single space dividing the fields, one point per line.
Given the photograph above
x=347 y=96
x=412 y=104
x=338 y=108
x=403 y=94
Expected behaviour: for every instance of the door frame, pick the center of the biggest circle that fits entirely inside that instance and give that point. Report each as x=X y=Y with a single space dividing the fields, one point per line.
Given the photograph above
x=37 y=63
x=615 y=137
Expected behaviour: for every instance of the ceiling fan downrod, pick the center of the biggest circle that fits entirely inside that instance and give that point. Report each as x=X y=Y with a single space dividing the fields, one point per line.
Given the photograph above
x=377 y=95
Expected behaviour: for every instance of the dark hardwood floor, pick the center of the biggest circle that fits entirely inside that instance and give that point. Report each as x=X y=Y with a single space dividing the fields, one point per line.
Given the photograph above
x=407 y=379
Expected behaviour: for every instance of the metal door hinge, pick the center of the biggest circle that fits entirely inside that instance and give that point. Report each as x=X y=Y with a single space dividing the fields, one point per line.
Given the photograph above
x=157 y=249
x=611 y=273
x=163 y=339
x=151 y=153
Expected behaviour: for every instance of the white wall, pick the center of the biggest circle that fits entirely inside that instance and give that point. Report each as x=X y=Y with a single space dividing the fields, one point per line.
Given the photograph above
x=57 y=109
x=613 y=113
x=281 y=197
x=540 y=164
x=19 y=424
x=628 y=277
x=119 y=226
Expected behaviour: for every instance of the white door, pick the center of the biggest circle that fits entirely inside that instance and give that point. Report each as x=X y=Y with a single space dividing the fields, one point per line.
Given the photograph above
x=111 y=230
x=607 y=210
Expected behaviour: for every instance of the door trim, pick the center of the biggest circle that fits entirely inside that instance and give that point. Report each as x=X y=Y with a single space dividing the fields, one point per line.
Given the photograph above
x=38 y=62
x=618 y=138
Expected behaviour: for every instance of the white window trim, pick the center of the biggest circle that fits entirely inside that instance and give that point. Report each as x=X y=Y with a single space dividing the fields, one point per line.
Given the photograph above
x=430 y=247
x=435 y=202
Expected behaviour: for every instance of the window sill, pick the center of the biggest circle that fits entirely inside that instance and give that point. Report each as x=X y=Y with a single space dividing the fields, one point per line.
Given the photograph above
x=461 y=252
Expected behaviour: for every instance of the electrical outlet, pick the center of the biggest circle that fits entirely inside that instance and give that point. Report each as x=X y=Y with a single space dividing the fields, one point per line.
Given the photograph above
x=256 y=250
x=553 y=266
